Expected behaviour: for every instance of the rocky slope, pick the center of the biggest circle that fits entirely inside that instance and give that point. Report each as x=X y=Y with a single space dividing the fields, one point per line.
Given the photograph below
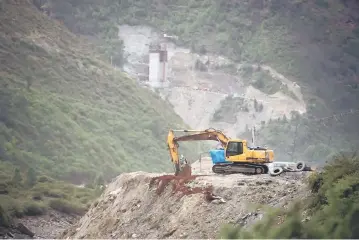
x=48 y=226
x=197 y=95
x=147 y=205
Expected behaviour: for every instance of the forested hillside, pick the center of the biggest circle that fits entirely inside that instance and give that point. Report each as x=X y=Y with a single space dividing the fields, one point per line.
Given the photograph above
x=67 y=114
x=314 y=43
x=331 y=212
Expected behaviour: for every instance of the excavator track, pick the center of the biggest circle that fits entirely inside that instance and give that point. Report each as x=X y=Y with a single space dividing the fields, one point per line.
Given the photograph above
x=244 y=168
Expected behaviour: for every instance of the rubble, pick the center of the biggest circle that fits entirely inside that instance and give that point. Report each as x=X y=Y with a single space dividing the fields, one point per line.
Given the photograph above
x=17 y=231
x=34 y=227
x=148 y=205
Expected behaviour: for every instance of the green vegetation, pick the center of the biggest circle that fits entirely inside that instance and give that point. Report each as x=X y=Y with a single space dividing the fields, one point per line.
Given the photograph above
x=229 y=108
x=95 y=22
x=331 y=211
x=302 y=139
x=310 y=42
x=66 y=114
x=229 y=68
x=62 y=104
x=287 y=36
x=26 y=193
x=262 y=80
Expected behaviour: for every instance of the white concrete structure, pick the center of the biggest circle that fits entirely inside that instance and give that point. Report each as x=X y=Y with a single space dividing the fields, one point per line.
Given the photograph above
x=154 y=67
x=158 y=66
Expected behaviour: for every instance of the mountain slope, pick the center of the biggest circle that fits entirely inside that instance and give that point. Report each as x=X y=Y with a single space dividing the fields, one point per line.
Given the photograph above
x=201 y=99
x=67 y=112
x=312 y=43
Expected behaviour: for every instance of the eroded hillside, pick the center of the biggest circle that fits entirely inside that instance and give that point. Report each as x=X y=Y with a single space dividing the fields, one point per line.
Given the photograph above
x=148 y=205
x=221 y=94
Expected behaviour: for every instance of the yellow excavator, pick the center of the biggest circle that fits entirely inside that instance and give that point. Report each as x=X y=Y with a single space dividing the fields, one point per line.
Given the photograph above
x=234 y=157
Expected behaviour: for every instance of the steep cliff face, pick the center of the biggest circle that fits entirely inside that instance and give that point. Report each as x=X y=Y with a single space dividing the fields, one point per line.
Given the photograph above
x=220 y=94
x=147 y=205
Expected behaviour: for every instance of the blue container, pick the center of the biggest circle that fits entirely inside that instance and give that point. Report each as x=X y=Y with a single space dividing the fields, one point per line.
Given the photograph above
x=217 y=156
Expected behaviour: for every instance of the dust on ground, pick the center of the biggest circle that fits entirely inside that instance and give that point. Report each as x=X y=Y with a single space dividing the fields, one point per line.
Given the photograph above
x=152 y=205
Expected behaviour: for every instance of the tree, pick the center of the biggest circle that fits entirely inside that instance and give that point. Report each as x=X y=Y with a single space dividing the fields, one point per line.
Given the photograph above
x=5 y=220
x=285 y=120
x=202 y=50
x=99 y=184
x=17 y=178
x=260 y=107
x=99 y=181
x=256 y=105
x=29 y=81
x=31 y=177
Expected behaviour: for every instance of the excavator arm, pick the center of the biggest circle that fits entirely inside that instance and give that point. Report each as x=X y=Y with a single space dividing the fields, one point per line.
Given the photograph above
x=194 y=135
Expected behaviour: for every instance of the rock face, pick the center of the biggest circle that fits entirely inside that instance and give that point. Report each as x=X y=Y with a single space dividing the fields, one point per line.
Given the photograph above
x=148 y=205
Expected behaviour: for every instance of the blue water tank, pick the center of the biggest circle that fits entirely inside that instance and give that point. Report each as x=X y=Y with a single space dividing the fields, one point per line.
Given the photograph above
x=217 y=156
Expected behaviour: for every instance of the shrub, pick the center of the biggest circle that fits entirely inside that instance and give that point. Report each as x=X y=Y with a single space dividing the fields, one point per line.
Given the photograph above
x=4 y=218
x=54 y=194
x=67 y=207
x=37 y=196
x=333 y=208
x=43 y=179
x=11 y=206
x=34 y=209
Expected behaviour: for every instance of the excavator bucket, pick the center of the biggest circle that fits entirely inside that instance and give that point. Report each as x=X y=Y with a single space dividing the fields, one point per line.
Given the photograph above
x=183 y=171
x=186 y=171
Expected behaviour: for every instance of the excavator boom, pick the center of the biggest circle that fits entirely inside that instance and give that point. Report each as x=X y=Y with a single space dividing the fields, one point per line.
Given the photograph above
x=195 y=135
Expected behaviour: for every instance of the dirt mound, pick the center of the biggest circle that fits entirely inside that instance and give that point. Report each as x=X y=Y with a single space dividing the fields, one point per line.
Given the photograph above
x=146 y=205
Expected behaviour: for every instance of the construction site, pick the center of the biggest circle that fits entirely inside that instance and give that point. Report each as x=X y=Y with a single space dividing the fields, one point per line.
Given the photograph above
x=147 y=205
x=234 y=182
x=197 y=199
x=179 y=119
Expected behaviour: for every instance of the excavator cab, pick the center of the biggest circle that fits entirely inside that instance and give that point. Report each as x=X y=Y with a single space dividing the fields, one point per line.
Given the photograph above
x=234 y=148
x=233 y=151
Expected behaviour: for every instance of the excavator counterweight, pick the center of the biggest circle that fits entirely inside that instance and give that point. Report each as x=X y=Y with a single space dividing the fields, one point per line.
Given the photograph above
x=234 y=157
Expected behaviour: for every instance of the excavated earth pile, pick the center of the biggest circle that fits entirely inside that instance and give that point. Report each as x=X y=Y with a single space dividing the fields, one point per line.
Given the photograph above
x=148 y=205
